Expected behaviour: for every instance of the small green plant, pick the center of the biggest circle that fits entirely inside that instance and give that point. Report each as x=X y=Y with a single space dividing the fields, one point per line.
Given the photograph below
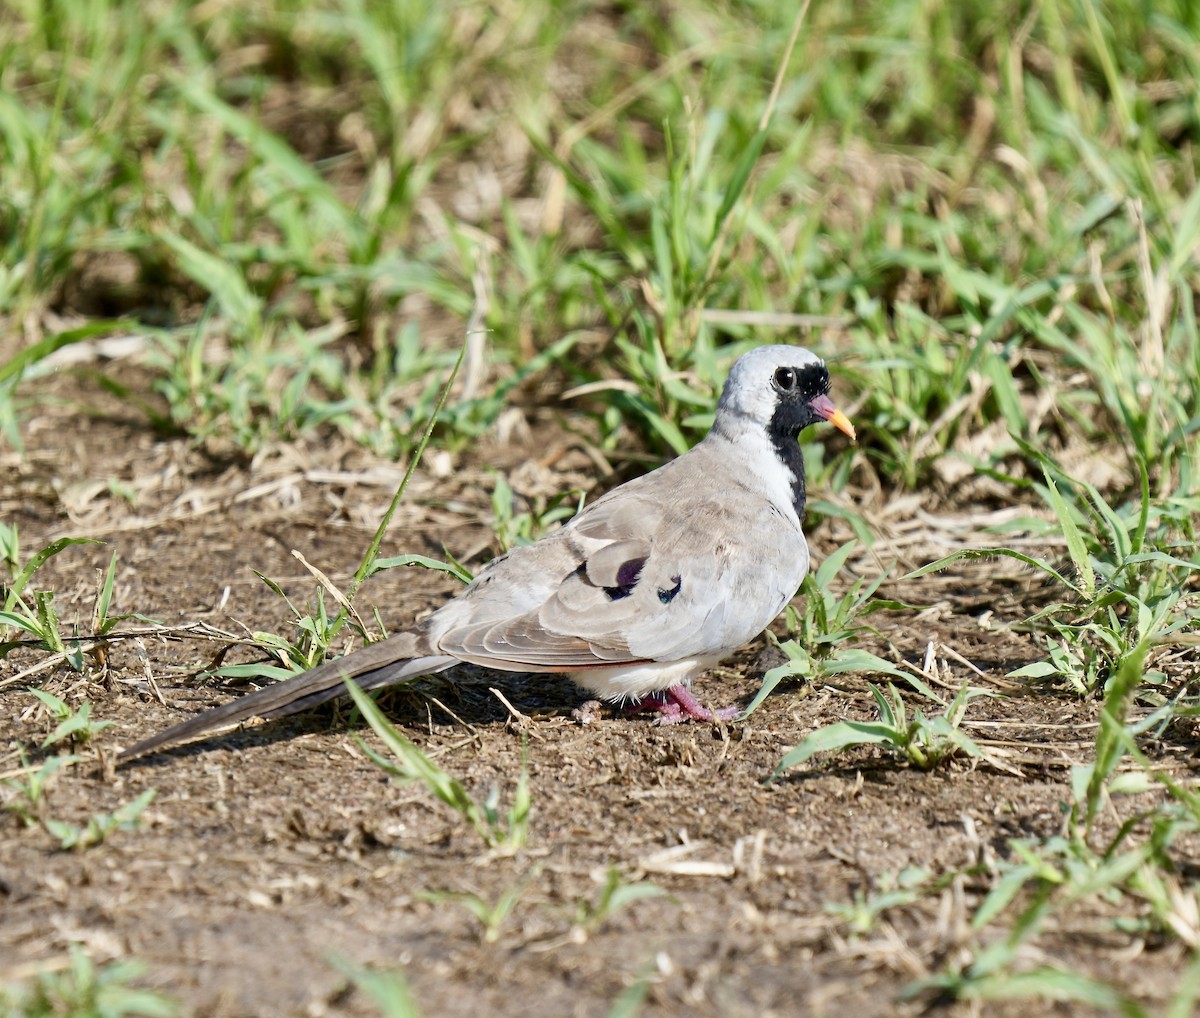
x=491 y=915
x=76 y=725
x=388 y=991
x=615 y=894
x=1122 y=586
x=99 y=825
x=1132 y=871
x=513 y=527
x=505 y=832
x=28 y=358
x=33 y=612
x=28 y=801
x=1044 y=878
x=1092 y=783
x=86 y=990
x=317 y=631
x=272 y=383
x=20 y=573
x=450 y=565
x=630 y=1000
x=925 y=742
x=308 y=648
x=41 y=621
x=103 y=621
x=995 y=974
x=862 y=912
x=818 y=647
x=918 y=377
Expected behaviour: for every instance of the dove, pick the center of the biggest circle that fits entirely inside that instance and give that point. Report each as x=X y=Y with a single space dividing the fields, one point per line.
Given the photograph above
x=641 y=592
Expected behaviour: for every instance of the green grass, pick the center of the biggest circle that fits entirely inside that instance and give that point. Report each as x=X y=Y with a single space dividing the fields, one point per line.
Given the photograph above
x=959 y=260
x=85 y=990
x=503 y=833
x=302 y=207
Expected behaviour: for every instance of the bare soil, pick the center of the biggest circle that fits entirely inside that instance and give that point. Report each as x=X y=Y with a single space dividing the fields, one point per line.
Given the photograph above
x=272 y=849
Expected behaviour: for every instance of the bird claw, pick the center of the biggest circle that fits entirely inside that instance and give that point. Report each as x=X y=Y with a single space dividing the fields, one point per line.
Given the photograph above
x=677 y=705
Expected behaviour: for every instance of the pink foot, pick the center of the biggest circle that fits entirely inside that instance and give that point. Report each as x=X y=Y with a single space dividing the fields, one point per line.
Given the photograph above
x=676 y=705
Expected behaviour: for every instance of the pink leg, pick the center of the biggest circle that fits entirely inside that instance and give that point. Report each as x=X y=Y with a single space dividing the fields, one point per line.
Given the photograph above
x=677 y=704
x=657 y=701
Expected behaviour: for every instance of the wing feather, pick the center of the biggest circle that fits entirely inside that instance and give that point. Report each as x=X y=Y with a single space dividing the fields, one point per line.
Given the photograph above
x=626 y=582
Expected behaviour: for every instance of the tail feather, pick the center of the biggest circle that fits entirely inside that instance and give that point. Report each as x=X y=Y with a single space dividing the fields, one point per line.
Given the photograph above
x=375 y=666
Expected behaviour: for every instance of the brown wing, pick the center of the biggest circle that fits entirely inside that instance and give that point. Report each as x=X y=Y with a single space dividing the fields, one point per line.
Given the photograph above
x=630 y=579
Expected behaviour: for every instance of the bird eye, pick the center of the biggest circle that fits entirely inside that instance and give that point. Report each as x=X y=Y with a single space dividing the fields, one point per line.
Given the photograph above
x=785 y=378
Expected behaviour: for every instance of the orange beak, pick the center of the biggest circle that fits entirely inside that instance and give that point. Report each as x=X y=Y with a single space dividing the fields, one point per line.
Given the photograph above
x=823 y=407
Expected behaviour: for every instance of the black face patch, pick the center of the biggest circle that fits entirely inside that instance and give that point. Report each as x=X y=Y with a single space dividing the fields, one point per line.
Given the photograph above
x=795 y=390
x=627 y=578
x=793 y=402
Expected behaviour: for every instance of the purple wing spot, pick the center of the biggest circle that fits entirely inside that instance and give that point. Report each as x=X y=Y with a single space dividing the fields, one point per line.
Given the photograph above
x=630 y=572
x=627 y=577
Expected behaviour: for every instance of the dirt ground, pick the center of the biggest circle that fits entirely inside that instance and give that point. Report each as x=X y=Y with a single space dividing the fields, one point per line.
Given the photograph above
x=269 y=850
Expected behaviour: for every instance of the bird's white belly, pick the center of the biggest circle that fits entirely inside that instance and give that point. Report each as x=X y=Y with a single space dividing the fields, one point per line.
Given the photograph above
x=624 y=682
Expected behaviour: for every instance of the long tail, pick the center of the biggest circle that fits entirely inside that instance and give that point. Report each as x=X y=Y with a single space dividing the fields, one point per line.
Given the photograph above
x=378 y=664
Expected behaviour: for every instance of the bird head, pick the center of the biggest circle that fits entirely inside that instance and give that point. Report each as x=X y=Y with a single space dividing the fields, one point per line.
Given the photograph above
x=782 y=388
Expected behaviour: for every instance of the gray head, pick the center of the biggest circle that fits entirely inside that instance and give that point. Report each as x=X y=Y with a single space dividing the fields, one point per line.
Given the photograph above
x=782 y=389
